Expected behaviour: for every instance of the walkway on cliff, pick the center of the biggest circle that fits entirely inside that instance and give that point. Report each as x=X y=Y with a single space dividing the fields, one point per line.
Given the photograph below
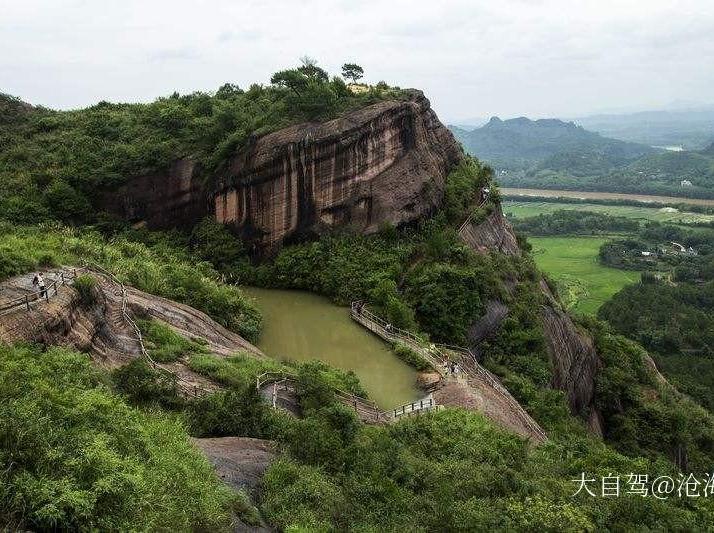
x=280 y=389
x=476 y=388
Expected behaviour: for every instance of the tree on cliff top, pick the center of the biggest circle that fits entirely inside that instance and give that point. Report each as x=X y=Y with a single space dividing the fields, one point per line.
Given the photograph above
x=293 y=79
x=310 y=69
x=353 y=72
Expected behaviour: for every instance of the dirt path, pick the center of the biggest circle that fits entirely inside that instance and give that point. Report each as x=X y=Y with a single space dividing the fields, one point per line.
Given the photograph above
x=555 y=193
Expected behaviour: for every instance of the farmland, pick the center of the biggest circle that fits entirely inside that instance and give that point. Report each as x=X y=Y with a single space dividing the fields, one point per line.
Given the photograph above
x=583 y=283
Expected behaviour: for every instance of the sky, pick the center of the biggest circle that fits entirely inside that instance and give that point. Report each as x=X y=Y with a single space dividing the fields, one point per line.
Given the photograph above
x=472 y=58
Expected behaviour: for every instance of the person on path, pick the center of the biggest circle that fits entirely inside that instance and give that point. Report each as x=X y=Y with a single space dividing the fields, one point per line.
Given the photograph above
x=41 y=285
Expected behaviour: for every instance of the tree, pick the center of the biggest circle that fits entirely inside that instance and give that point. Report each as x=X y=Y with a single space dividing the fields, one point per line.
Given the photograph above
x=310 y=69
x=352 y=72
x=293 y=79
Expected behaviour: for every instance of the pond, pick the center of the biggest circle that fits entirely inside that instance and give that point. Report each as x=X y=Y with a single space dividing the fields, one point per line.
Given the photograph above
x=301 y=326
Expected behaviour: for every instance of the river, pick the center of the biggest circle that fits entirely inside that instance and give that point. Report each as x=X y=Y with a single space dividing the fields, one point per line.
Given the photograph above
x=302 y=326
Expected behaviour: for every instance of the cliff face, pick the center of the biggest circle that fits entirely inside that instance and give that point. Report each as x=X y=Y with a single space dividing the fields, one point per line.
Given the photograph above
x=384 y=163
x=574 y=360
x=492 y=234
x=162 y=200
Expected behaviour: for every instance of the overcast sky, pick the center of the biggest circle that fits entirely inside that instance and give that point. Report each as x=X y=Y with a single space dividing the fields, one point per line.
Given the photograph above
x=472 y=58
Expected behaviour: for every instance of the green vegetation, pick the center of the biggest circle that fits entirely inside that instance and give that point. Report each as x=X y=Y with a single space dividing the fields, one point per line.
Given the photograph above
x=157 y=266
x=522 y=208
x=74 y=456
x=86 y=287
x=55 y=164
x=409 y=356
x=572 y=262
x=422 y=278
x=551 y=154
x=165 y=345
x=565 y=222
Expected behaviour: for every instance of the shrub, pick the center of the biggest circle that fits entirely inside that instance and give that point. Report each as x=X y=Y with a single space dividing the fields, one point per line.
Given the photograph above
x=143 y=385
x=225 y=413
x=164 y=344
x=409 y=356
x=86 y=286
x=74 y=456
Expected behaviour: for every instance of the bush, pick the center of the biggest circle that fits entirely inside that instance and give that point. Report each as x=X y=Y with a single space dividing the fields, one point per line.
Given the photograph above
x=143 y=385
x=165 y=345
x=86 y=286
x=409 y=356
x=227 y=413
x=74 y=456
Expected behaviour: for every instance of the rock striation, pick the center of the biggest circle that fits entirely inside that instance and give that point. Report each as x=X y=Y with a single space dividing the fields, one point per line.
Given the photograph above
x=385 y=163
x=174 y=198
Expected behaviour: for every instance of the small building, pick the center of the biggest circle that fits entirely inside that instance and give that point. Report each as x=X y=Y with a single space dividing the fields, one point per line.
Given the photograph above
x=685 y=183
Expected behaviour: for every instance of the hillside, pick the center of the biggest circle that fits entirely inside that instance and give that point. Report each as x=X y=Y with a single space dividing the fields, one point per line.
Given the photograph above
x=553 y=154
x=363 y=199
x=691 y=129
x=520 y=142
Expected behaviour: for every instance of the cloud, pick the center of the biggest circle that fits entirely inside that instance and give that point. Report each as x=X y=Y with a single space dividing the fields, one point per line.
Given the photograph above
x=472 y=58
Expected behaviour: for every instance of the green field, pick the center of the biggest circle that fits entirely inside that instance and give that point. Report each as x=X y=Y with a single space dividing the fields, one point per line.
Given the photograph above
x=583 y=283
x=516 y=209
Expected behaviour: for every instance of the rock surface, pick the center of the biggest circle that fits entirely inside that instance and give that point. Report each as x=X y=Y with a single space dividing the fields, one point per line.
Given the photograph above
x=161 y=200
x=492 y=234
x=574 y=359
x=239 y=461
x=383 y=163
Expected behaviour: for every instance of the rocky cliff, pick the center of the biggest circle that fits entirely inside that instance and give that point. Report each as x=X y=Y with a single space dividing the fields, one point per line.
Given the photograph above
x=574 y=360
x=386 y=163
x=161 y=200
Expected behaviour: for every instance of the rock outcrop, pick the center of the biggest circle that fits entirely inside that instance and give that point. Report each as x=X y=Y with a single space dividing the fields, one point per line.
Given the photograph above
x=574 y=360
x=494 y=233
x=386 y=163
x=174 y=198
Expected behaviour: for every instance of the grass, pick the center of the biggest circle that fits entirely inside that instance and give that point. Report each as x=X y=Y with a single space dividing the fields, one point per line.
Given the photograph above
x=515 y=209
x=165 y=345
x=583 y=283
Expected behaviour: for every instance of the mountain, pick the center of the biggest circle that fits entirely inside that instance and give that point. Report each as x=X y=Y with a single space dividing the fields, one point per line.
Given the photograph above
x=520 y=142
x=691 y=128
x=553 y=154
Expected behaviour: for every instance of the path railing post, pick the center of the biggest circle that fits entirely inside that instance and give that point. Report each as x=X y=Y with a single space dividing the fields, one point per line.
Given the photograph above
x=27 y=302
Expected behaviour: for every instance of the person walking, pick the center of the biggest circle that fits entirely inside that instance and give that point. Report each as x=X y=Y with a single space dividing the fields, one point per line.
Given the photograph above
x=41 y=285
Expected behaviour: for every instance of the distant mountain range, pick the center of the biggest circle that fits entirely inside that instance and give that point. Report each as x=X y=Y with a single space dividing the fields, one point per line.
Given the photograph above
x=551 y=153
x=692 y=128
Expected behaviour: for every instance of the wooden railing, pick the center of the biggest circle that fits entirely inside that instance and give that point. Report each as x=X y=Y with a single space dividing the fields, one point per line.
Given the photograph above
x=437 y=355
x=360 y=405
x=51 y=290
x=380 y=327
x=426 y=404
x=187 y=385
x=471 y=214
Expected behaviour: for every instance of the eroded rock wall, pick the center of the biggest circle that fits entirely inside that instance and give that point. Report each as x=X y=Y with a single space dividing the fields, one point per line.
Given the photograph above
x=385 y=163
x=572 y=353
x=161 y=200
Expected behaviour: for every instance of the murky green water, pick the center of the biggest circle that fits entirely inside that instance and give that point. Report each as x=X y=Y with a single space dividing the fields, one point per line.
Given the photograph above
x=303 y=326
